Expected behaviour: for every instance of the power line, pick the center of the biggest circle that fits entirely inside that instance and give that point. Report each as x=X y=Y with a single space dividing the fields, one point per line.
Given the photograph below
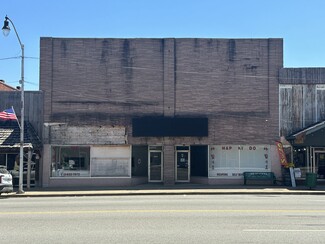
x=10 y=58
x=18 y=57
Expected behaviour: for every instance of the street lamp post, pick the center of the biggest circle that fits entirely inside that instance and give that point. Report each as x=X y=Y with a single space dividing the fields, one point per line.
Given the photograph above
x=6 y=31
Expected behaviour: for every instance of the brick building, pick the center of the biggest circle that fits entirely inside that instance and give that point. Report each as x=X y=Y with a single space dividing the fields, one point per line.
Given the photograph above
x=129 y=111
x=5 y=87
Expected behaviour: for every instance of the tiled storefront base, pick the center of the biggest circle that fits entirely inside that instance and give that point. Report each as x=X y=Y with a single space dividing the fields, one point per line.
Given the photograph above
x=95 y=182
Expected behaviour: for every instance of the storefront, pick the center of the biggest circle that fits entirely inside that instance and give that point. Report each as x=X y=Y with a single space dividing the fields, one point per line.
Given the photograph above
x=10 y=149
x=189 y=161
x=85 y=155
x=204 y=163
x=309 y=150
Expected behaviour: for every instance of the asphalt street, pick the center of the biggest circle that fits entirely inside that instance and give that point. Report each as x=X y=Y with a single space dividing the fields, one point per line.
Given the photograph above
x=245 y=218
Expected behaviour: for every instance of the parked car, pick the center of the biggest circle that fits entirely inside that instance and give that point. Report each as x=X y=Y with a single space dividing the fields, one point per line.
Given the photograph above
x=5 y=181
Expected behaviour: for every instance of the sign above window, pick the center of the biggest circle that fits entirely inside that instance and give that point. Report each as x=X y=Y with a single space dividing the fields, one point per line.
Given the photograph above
x=169 y=126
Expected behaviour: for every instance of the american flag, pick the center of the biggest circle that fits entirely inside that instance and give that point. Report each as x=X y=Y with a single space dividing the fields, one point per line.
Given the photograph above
x=8 y=114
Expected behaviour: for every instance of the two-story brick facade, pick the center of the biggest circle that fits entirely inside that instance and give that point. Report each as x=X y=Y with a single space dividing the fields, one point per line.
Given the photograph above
x=127 y=111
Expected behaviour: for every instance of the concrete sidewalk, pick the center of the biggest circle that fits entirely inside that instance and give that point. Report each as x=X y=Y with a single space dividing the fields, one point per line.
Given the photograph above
x=157 y=189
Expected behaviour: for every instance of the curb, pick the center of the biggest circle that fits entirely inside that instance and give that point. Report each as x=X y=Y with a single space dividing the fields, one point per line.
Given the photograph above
x=161 y=192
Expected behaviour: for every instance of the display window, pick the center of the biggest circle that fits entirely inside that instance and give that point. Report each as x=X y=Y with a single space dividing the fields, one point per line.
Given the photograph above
x=8 y=160
x=70 y=161
x=91 y=161
x=310 y=159
x=112 y=161
x=233 y=160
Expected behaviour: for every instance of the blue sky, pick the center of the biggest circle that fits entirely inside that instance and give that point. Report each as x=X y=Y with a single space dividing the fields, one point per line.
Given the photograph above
x=300 y=23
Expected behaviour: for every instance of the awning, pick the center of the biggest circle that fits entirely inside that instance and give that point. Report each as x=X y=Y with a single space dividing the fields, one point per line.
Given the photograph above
x=313 y=136
x=10 y=137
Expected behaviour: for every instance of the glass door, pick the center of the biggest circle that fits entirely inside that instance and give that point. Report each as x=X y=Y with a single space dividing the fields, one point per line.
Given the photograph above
x=320 y=164
x=316 y=163
x=155 y=165
x=182 y=164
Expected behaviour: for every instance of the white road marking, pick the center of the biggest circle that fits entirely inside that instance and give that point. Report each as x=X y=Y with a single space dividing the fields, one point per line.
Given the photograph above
x=278 y=230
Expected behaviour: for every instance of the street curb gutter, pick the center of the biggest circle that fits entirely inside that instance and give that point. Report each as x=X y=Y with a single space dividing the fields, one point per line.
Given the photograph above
x=160 y=192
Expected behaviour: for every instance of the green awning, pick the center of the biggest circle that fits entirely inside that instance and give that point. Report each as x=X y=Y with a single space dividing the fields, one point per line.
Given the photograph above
x=313 y=136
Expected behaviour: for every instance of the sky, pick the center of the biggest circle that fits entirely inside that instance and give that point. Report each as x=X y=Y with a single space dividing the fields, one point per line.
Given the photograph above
x=299 y=22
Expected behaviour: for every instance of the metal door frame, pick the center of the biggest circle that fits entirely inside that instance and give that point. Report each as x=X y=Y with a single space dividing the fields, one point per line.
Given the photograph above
x=312 y=165
x=161 y=163
x=188 y=151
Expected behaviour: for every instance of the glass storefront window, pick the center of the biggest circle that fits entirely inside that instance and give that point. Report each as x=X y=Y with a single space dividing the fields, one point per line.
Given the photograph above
x=90 y=161
x=300 y=160
x=3 y=160
x=111 y=161
x=233 y=160
x=8 y=160
x=70 y=161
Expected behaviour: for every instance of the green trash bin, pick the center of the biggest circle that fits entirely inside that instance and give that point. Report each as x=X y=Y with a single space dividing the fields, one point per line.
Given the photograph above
x=311 y=179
